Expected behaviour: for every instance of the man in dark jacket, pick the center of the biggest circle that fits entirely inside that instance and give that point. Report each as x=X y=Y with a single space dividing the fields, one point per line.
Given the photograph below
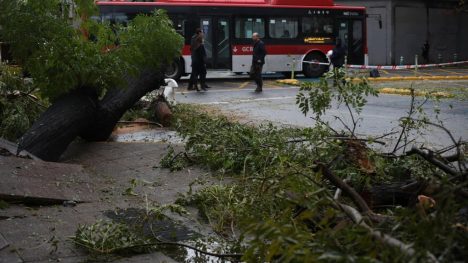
x=338 y=56
x=258 y=60
x=198 y=61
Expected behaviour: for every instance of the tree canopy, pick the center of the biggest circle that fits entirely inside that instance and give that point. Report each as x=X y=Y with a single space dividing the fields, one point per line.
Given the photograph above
x=61 y=57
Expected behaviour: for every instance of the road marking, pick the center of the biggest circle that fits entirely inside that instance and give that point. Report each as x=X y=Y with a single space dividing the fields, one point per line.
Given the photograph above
x=273 y=84
x=420 y=72
x=243 y=85
x=461 y=85
x=444 y=70
x=247 y=100
x=237 y=90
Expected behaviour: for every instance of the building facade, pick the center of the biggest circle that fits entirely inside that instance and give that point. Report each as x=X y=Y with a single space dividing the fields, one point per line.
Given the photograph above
x=399 y=30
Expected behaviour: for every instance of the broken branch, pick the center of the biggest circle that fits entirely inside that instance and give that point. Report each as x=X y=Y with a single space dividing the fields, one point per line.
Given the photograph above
x=358 y=219
x=429 y=156
x=357 y=199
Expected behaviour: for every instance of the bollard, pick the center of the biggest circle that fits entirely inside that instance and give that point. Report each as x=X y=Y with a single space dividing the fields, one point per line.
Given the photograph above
x=439 y=58
x=293 y=66
x=416 y=64
x=346 y=65
x=455 y=57
x=402 y=60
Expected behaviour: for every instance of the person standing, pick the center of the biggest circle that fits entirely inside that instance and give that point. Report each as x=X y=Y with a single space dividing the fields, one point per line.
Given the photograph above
x=258 y=60
x=425 y=52
x=198 y=61
x=338 y=55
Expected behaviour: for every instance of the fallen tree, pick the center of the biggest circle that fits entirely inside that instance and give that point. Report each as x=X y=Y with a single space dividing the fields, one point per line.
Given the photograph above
x=80 y=113
x=91 y=75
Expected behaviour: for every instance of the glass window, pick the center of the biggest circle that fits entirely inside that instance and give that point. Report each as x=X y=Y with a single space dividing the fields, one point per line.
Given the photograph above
x=317 y=26
x=283 y=27
x=245 y=27
x=121 y=19
x=179 y=24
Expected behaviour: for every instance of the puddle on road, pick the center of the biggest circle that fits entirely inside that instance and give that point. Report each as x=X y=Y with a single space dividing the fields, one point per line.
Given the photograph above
x=145 y=133
x=169 y=230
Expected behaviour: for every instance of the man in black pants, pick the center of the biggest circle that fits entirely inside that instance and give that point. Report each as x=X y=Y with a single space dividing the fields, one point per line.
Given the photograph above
x=258 y=60
x=338 y=56
x=198 y=61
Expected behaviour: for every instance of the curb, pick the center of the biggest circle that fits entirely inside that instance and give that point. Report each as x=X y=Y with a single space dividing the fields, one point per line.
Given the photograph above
x=296 y=82
x=418 y=78
x=292 y=82
x=407 y=92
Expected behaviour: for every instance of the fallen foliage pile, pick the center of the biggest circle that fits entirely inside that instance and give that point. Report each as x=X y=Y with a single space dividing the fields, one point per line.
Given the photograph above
x=315 y=194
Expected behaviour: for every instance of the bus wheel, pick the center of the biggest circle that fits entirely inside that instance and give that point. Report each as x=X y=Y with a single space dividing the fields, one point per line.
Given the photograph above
x=314 y=70
x=174 y=70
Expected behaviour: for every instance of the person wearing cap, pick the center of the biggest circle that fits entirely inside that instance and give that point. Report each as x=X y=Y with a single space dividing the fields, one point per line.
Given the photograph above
x=198 y=61
x=258 y=60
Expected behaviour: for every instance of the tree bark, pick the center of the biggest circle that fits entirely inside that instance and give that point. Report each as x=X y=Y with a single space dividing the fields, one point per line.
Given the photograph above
x=60 y=124
x=79 y=113
x=117 y=101
x=162 y=112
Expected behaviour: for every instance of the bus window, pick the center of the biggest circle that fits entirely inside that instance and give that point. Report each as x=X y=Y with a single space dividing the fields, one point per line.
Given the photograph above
x=120 y=18
x=317 y=26
x=283 y=27
x=245 y=27
x=179 y=25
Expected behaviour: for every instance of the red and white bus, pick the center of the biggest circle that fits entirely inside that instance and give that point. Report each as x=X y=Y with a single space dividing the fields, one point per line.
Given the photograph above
x=294 y=31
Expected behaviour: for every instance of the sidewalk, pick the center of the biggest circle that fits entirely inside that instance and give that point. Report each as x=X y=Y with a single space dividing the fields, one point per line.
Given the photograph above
x=41 y=233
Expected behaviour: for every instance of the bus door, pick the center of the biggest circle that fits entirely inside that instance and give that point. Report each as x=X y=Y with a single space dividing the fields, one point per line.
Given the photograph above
x=217 y=42
x=350 y=31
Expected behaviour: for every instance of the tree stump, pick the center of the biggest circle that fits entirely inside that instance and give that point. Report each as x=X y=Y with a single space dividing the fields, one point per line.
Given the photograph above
x=162 y=112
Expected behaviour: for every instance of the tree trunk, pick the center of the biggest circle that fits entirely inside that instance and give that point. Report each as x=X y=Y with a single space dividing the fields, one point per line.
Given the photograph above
x=60 y=124
x=117 y=101
x=79 y=113
x=162 y=111
x=392 y=194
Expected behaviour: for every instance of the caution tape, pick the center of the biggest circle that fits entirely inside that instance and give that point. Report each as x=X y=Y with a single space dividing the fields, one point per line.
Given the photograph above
x=393 y=67
x=316 y=62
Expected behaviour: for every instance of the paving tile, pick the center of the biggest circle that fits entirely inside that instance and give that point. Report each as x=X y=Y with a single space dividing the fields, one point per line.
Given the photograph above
x=38 y=181
x=109 y=167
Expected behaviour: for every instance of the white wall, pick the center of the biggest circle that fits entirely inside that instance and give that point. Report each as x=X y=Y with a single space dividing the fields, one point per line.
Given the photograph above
x=378 y=39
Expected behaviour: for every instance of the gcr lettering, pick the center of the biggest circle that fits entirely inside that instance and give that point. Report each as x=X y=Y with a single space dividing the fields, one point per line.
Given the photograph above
x=247 y=49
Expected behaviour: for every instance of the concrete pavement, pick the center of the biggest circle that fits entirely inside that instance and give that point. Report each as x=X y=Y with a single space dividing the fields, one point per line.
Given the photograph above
x=41 y=233
x=277 y=104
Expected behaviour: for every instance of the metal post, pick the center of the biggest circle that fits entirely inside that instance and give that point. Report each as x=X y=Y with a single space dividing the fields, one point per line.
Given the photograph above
x=293 y=66
x=346 y=65
x=402 y=60
x=416 y=64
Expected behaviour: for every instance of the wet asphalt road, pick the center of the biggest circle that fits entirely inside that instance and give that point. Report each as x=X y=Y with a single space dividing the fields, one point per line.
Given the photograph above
x=277 y=104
